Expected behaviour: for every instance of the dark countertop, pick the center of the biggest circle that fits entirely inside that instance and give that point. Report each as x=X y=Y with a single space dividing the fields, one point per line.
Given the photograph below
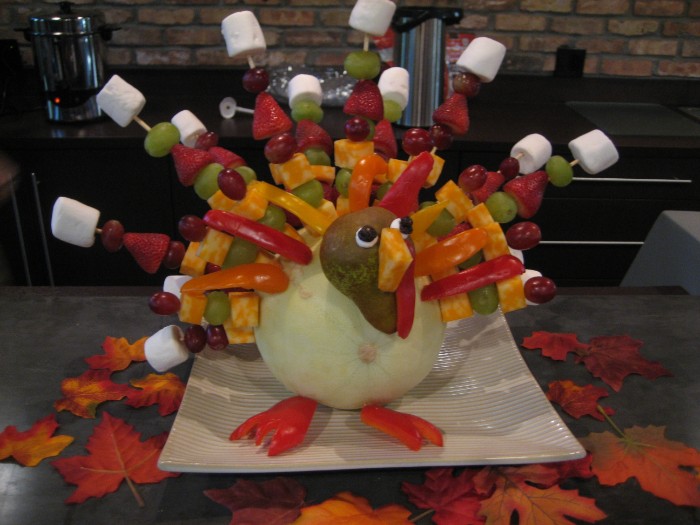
x=48 y=332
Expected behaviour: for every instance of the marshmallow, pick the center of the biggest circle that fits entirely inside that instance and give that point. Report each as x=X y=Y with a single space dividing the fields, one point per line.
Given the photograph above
x=242 y=34
x=594 y=151
x=525 y=276
x=304 y=88
x=173 y=283
x=532 y=152
x=482 y=57
x=372 y=16
x=74 y=222
x=190 y=127
x=393 y=85
x=165 y=349
x=120 y=100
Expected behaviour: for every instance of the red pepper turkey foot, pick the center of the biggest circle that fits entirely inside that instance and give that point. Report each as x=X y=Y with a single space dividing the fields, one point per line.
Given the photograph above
x=409 y=429
x=289 y=420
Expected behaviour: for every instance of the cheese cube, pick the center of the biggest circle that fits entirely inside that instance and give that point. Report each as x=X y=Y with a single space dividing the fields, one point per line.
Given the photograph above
x=395 y=168
x=219 y=201
x=496 y=244
x=238 y=336
x=511 y=294
x=348 y=153
x=342 y=205
x=293 y=173
x=245 y=309
x=394 y=259
x=323 y=173
x=192 y=307
x=252 y=206
x=214 y=246
x=435 y=172
x=479 y=216
x=192 y=264
x=458 y=203
x=453 y=307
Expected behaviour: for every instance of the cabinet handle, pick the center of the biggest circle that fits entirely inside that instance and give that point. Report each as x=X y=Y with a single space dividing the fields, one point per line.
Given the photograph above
x=595 y=243
x=625 y=179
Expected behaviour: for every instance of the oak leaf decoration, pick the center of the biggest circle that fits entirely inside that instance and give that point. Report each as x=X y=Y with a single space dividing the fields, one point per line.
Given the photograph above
x=83 y=394
x=165 y=390
x=346 y=508
x=578 y=401
x=32 y=446
x=118 y=354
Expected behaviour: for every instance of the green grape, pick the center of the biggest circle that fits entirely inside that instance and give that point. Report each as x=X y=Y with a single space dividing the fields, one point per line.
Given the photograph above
x=472 y=261
x=274 y=217
x=485 y=299
x=342 y=181
x=502 y=207
x=160 y=139
x=559 y=171
x=206 y=184
x=381 y=191
x=372 y=125
x=247 y=173
x=311 y=192
x=240 y=252
x=362 y=64
x=392 y=110
x=425 y=204
x=218 y=308
x=317 y=157
x=443 y=225
x=307 y=110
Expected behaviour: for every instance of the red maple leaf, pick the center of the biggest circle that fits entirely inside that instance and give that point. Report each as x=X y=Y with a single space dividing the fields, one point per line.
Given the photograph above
x=117 y=454
x=277 y=500
x=554 y=345
x=119 y=354
x=165 y=390
x=578 y=400
x=84 y=393
x=38 y=443
x=645 y=453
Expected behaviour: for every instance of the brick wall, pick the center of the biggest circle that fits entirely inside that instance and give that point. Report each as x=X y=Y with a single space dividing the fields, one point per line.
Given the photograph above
x=632 y=38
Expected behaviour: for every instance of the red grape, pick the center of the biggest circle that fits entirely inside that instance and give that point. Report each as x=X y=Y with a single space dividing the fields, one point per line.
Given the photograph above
x=509 y=168
x=468 y=84
x=472 y=178
x=232 y=184
x=280 y=148
x=195 y=338
x=256 y=80
x=441 y=136
x=207 y=140
x=523 y=235
x=540 y=290
x=174 y=255
x=211 y=268
x=192 y=228
x=112 y=235
x=164 y=303
x=216 y=337
x=416 y=140
x=356 y=129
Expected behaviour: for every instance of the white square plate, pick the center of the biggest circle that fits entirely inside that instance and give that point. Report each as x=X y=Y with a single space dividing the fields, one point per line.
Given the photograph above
x=480 y=393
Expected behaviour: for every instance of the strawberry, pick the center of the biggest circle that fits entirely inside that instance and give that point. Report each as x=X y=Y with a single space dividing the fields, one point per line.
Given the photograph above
x=310 y=135
x=454 y=114
x=528 y=192
x=494 y=179
x=226 y=158
x=148 y=249
x=189 y=162
x=269 y=118
x=385 y=140
x=365 y=101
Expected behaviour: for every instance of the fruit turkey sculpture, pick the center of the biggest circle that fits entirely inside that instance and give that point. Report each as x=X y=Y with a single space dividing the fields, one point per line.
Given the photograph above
x=343 y=244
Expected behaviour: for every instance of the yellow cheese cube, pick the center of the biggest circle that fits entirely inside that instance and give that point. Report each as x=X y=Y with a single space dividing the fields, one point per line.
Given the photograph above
x=245 y=309
x=479 y=216
x=395 y=168
x=421 y=240
x=295 y=172
x=511 y=294
x=214 y=246
x=342 y=205
x=238 y=336
x=496 y=244
x=192 y=307
x=252 y=206
x=192 y=264
x=323 y=173
x=458 y=203
x=219 y=201
x=454 y=307
x=347 y=153
x=435 y=172
x=267 y=258
x=394 y=258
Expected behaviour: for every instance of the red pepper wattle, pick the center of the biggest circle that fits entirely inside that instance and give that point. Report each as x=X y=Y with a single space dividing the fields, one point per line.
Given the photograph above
x=402 y=196
x=406 y=298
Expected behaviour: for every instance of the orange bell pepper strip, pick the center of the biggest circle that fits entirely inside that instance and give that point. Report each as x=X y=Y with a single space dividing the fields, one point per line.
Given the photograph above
x=450 y=252
x=262 y=277
x=363 y=174
x=407 y=428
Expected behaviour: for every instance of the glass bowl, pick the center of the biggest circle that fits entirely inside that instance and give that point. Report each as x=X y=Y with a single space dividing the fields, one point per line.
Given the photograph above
x=335 y=82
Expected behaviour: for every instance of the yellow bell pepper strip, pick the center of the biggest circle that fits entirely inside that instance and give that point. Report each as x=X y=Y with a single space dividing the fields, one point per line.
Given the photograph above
x=402 y=196
x=289 y=420
x=406 y=297
x=260 y=234
x=424 y=217
x=407 y=428
x=487 y=272
x=450 y=251
x=262 y=277
x=363 y=174
x=314 y=220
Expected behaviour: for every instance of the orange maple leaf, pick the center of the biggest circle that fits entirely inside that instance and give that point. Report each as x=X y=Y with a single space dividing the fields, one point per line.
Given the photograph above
x=119 y=354
x=644 y=453
x=116 y=454
x=165 y=390
x=29 y=448
x=578 y=400
x=347 y=509
x=530 y=491
x=84 y=393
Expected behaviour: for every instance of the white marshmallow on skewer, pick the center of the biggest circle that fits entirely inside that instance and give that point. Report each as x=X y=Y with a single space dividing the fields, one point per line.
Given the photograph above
x=74 y=222
x=372 y=17
x=482 y=57
x=120 y=100
x=243 y=34
x=189 y=126
x=304 y=88
x=594 y=151
x=165 y=349
x=393 y=85
x=532 y=152
x=173 y=283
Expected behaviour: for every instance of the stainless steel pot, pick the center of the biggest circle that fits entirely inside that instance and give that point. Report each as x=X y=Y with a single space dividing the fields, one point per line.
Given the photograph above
x=69 y=58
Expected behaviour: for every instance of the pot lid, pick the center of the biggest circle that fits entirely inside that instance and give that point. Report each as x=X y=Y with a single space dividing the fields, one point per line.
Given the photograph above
x=65 y=22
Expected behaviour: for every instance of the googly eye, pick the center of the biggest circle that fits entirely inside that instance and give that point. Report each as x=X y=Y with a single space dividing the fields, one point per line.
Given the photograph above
x=366 y=237
x=404 y=225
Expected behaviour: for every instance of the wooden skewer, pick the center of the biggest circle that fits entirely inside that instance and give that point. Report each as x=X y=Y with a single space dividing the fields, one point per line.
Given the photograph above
x=251 y=62
x=141 y=123
x=573 y=163
x=365 y=45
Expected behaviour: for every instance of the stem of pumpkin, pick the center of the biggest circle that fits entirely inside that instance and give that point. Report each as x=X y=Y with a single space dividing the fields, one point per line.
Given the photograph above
x=135 y=492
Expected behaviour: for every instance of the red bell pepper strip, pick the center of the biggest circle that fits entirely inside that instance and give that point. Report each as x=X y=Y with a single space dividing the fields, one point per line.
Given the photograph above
x=262 y=277
x=259 y=234
x=402 y=196
x=407 y=428
x=289 y=419
x=406 y=297
x=487 y=272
